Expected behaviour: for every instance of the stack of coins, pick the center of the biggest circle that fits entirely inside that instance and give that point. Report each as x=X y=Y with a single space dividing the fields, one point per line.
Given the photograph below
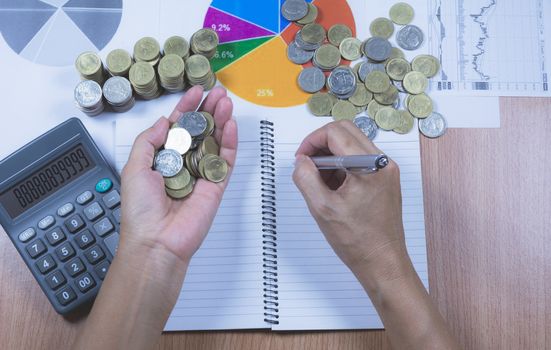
x=205 y=42
x=199 y=72
x=190 y=152
x=147 y=50
x=144 y=80
x=119 y=62
x=178 y=46
x=90 y=67
x=171 y=73
x=89 y=97
x=379 y=84
x=118 y=93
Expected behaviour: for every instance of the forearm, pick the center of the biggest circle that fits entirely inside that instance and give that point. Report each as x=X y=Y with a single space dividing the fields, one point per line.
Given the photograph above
x=135 y=300
x=411 y=319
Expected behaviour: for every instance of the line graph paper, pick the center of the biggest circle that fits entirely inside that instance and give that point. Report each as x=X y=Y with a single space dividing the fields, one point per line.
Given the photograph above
x=491 y=47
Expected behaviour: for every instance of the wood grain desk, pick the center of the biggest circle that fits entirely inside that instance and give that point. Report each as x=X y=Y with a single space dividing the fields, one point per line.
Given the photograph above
x=488 y=221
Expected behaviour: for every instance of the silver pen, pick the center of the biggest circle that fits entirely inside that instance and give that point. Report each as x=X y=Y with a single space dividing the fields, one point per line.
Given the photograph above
x=364 y=163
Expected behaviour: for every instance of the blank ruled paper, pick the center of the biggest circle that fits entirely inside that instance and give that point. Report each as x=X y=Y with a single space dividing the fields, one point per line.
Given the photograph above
x=223 y=285
x=316 y=290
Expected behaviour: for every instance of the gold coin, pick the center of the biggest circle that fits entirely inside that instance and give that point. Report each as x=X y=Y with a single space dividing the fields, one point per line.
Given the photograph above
x=88 y=63
x=147 y=50
x=420 y=106
x=176 y=45
x=382 y=27
x=141 y=74
x=313 y=33
x=338 y=33
x=311 y=16
x=397 y=68
x=377 y=82
x=387 y=97
x=396 y=53
x=373 y=108
x=327 y=56
x=361 y=96
x=406 y=122
x=401 y=13
x=343 y=110
x=216 y=168
x=178 y=139
x=118 y=62
x=387 y=118
x=171 y=66
x=205 y=40
x=210 y=146
x=320 y=104
x=415 y=83
x=426 y=64
x=350 y=49
x=197 y=66
x=183 y=193
x=210 y=124
x=178 y=182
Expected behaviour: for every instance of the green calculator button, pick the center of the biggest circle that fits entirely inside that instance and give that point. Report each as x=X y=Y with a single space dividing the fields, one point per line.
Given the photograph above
x=104 y=185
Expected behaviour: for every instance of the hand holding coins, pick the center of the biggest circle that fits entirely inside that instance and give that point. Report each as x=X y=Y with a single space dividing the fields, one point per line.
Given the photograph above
x=190 y=152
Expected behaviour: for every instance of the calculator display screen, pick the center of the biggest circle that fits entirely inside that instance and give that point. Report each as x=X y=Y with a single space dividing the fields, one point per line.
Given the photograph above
x=49 y=179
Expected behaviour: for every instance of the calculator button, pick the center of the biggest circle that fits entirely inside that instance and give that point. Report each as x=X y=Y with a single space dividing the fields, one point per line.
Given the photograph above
x=46 y=222
x=112 y=199
x=112 y=243
x=104 y=185
x=65 y=210
x=85 y=282
x=103 y=227
x=75 y=267
x=85 y=197
x=94 y=254
x=93 y=211
x=56 y=279
x=46 y=264
x=74 y=223
x=101 y=269
x=36 y=248
x=66 y=295
x=117 y=215
x=26 y=235
x=55 y=236
x=65 y=251
x=85 y=239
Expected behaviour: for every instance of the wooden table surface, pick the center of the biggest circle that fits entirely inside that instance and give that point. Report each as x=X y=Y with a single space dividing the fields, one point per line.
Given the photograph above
x=488 y=224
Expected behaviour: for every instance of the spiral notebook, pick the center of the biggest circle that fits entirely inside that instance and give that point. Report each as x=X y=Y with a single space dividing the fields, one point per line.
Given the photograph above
x=264 y=263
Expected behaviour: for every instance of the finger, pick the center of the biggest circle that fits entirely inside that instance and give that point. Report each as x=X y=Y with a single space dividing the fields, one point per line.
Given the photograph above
x=189 y=102
x=209 y=105
x=308 y=180
x=145 y=145
x=361 y=137
x=333 y=137
x=228 y=144
x=223 y=113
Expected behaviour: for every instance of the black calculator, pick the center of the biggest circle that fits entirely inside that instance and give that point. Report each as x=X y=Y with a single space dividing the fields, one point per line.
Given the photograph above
x=60 y=206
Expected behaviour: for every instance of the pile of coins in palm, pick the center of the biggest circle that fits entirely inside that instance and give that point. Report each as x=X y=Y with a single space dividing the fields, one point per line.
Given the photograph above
x=190 y=152
x=146 y=74
x=376 y=84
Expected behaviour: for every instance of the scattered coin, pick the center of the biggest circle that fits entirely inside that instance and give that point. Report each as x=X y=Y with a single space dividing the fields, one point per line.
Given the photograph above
x=426 y=64
x=350 y=49
x=406 y=123
x=388 y=118
x=361 y=96
x=313 y=33
x=382 y=27
x=367 y=126
x=294 y=10
x=297 y=55
x=420 y=106
x=311 y=80
x=342 y=82
x=377 y=49
x=311 y=16
x=321 y=104
x=343 y=110
x=337 y=33
x=410 y=37
x=397 y=68
x=327 y=57
x=377 y=82
x=434 y=126
x=401 y=13
x=415 y=82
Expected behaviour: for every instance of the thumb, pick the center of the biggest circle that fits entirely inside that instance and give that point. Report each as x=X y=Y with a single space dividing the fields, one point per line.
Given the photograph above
x=143 y=150
x=308 y=180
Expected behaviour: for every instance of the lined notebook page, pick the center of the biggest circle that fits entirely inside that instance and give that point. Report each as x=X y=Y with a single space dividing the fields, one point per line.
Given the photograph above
x=223 y=285
x=316 y=290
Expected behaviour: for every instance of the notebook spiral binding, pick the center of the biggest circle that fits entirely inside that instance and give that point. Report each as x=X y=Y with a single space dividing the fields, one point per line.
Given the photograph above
x=269 y=233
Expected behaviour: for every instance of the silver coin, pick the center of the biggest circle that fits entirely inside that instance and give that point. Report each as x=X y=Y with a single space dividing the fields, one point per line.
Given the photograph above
x=88 y=94
x=194 y=122
x=368 y=67
x=311 y=80
x=303 y=44
x=434 y=126
x=117 y=90
x=298 y=55
x=367 y=126
x=342 y=81
x=410 y=37
x=294 y=10
x=377 y=49
x=168 y=162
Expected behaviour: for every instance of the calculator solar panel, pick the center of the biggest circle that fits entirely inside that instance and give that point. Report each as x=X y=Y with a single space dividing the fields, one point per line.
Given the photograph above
x=60 y=206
